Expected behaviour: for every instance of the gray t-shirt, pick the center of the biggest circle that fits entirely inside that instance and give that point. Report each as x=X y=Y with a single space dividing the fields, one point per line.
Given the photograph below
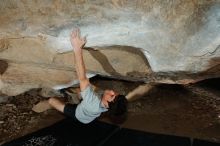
x=90 y=107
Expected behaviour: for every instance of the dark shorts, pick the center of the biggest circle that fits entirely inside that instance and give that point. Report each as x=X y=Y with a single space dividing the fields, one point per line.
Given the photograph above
x=69 y=111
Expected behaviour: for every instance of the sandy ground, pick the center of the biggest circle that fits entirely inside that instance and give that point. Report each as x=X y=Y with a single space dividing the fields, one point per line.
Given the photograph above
x=192 y=111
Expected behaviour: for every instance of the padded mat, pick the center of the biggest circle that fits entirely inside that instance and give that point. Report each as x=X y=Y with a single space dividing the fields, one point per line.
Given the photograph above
x=70 y=133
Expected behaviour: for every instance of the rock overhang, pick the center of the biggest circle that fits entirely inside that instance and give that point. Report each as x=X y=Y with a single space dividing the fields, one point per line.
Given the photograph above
x=176 y=37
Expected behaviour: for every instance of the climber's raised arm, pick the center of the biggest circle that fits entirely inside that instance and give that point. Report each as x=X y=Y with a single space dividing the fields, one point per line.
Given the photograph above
x=78 y=43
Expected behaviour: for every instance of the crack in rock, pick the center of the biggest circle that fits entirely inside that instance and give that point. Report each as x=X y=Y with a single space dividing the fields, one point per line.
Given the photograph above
x=3 y=66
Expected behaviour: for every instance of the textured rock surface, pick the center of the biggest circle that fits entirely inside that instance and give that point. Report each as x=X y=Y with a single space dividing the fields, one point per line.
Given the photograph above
x=180 y=41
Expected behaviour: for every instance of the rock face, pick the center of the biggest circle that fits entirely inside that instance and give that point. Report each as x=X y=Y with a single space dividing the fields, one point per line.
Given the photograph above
x=152 y=41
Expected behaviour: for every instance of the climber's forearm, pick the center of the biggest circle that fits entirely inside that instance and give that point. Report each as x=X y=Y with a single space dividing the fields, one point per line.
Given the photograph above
x=80 y=66
x=139 y=92
x=78 y=42
x=80 y=69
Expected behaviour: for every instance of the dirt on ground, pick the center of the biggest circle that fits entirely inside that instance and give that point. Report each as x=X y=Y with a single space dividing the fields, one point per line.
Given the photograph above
x=191 y=111
x=17 y=118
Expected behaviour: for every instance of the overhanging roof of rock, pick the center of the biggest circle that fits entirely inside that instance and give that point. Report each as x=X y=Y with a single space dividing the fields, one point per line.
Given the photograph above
x=174 y=36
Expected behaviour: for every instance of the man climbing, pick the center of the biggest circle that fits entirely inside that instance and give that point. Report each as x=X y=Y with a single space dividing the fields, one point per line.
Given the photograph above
x=92 y=104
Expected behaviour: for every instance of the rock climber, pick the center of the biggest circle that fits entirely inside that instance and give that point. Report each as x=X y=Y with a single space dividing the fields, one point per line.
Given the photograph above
x=92 y=104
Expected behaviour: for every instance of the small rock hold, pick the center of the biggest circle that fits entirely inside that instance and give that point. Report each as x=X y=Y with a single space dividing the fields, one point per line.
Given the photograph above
x=4 y=44
x=210 y=124
x=1 y=122
x=8 y=104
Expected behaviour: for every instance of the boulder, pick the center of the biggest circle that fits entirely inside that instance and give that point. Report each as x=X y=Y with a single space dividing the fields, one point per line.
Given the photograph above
x=149 y=41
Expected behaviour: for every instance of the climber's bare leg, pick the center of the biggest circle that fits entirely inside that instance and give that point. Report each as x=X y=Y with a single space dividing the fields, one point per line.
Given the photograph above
x=57 y=104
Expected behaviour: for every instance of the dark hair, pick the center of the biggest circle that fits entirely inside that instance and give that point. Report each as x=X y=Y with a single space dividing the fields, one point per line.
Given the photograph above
x=118 y=109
